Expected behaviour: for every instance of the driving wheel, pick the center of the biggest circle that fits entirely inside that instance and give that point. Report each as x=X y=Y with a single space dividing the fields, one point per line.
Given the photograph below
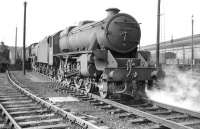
x=103 y=88
x=78 y=82
x=88 y=86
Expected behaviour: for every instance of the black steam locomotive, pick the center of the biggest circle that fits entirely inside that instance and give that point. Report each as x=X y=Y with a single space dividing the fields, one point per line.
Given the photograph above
x=4 y=57
x=95 y=56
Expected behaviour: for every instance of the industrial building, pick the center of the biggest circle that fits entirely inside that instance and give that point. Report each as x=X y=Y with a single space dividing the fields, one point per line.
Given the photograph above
x=177 y=51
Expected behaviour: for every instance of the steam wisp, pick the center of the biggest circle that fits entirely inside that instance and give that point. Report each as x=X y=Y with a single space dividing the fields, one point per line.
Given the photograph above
x=181 y=89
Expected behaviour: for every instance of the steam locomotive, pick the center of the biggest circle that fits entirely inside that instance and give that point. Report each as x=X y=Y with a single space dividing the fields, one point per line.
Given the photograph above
x=4 y=57
x=97 y=56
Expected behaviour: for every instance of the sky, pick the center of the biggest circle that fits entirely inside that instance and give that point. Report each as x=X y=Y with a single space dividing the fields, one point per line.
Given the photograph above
x=45 y=17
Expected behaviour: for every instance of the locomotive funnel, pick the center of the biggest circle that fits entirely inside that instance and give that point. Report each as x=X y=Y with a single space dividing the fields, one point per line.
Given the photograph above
x=112 y=11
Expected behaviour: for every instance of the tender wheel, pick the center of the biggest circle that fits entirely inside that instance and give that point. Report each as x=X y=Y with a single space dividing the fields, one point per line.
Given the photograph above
x=78 y=82
x=103 y=88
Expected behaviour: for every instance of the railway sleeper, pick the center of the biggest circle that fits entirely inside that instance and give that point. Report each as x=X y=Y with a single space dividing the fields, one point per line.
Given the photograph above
x=86 y=99
x=100 y=104
x=40 y=122
x=17 y=113
x=161 y=112
x=153 y=108
x=14 y=99
x=192 y=122
x=157 y=126
x=140 y=105
x=23 y=109
x=6 y=92
x=128 y=115
x=17 y=102
x=56 y=126
x=32 y=117
x=139 y=120
x=107 y=107
x=15 y=92
x=177 y=116
x=117 y=111
x=20 y=105
x=15 y=96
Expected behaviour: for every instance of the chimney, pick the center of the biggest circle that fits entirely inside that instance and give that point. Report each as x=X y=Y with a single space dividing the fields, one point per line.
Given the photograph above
x=112 y=11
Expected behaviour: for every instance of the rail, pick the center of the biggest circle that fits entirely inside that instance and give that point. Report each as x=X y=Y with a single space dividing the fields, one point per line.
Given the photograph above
x=150 y=117
x=9 y=117
x=61 y=112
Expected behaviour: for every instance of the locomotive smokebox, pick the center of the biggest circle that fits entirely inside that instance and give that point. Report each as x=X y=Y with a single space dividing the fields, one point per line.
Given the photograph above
x=112 y=11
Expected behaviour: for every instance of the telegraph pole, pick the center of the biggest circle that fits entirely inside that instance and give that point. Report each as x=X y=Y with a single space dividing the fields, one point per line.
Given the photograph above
x=172 y=40
x=15 y=45
x=192 y=47
x=158 y=35
x=24 y=38
x=184 y=55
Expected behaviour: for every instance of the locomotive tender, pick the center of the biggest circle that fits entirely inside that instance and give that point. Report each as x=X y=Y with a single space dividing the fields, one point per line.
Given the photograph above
x=98 y=55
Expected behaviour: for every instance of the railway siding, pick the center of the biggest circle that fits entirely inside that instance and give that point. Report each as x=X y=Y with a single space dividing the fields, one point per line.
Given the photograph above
x=147 y=114
x=184 y=120
x=21 y=109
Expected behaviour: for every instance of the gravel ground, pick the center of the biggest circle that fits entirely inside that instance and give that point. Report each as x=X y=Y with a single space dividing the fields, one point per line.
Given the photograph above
x=40 y=86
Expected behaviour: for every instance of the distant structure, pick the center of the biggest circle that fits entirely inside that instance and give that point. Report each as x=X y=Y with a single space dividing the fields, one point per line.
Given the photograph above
x=12 y=54
x=1 y=43
x=177 y=51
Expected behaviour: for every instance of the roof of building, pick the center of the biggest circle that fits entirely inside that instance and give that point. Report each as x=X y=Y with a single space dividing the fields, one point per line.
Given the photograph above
x=174 y=43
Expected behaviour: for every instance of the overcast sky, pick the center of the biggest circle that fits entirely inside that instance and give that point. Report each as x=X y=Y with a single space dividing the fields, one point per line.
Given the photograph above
x=45 y=17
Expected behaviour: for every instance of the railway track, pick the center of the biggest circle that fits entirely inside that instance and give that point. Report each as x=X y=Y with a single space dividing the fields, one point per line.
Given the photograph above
x=21 y=109
x=157 y=115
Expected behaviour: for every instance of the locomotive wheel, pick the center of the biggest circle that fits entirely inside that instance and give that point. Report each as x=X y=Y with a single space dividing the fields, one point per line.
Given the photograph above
x=103 y=88
x=150 y=84
x=140 y=90
x=68 y=81
x=78 y=82
x=60 y=78
x=88 y=86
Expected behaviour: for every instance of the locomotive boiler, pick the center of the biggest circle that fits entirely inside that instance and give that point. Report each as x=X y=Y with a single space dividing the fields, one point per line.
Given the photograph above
x=117 y=32
x=98 y=55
